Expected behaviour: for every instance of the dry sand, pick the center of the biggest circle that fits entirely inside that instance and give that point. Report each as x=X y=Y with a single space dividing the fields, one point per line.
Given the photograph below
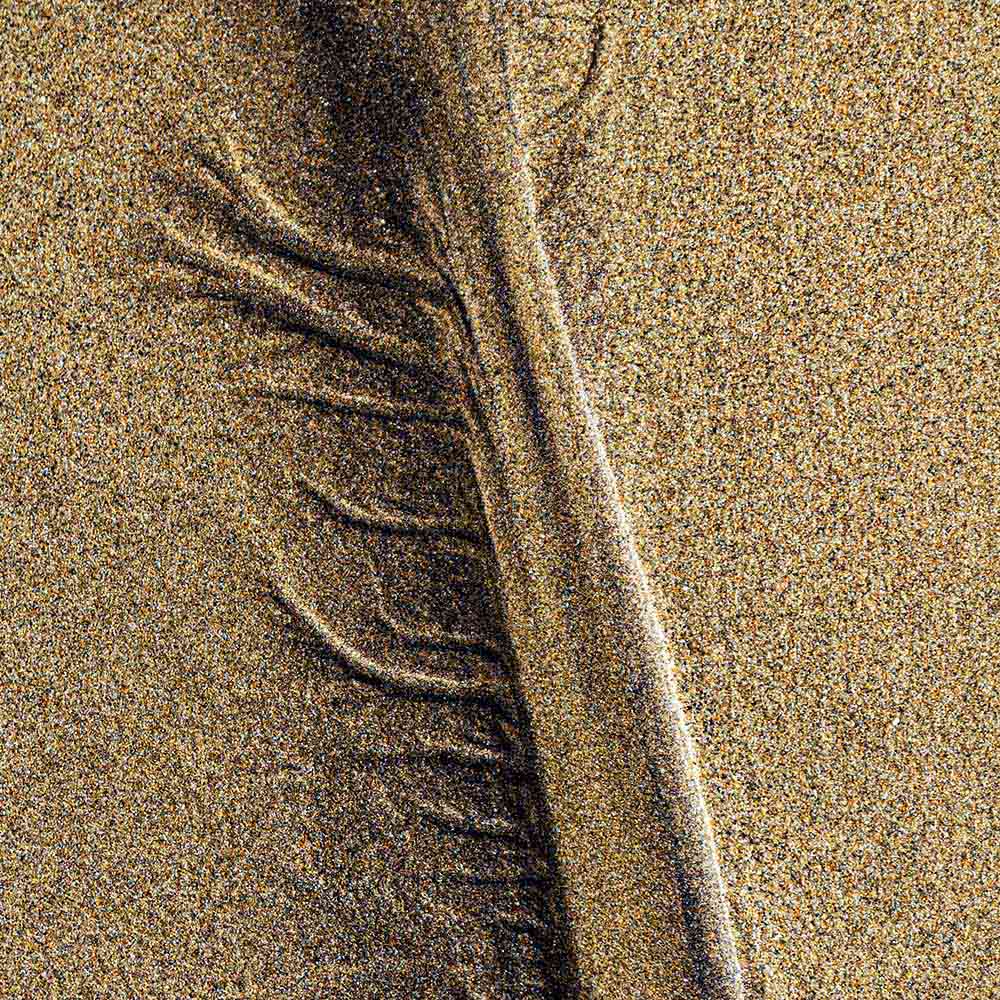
x=777 y=263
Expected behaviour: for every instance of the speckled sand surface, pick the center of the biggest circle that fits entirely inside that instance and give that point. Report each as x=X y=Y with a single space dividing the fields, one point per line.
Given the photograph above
x=780 y=263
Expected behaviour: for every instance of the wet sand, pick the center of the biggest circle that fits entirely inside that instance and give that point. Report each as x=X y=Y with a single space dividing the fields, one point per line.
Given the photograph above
x=775 y=265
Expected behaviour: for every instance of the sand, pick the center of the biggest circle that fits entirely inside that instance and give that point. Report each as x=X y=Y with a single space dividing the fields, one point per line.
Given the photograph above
x=775 y=261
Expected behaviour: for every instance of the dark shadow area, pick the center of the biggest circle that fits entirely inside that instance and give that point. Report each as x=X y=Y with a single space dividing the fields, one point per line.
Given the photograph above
x=375 y=110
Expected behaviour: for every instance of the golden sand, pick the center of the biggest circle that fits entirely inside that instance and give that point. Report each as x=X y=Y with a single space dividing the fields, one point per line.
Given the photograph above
x=775 y=259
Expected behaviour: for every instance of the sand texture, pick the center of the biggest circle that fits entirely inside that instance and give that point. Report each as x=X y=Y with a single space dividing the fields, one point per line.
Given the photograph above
x=499 y=506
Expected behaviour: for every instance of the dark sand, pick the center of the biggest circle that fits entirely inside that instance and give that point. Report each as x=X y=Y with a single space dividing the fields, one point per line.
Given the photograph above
x=776 y=262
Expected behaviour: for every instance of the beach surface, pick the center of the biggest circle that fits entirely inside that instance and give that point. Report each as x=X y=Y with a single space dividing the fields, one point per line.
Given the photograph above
x=776 y=260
